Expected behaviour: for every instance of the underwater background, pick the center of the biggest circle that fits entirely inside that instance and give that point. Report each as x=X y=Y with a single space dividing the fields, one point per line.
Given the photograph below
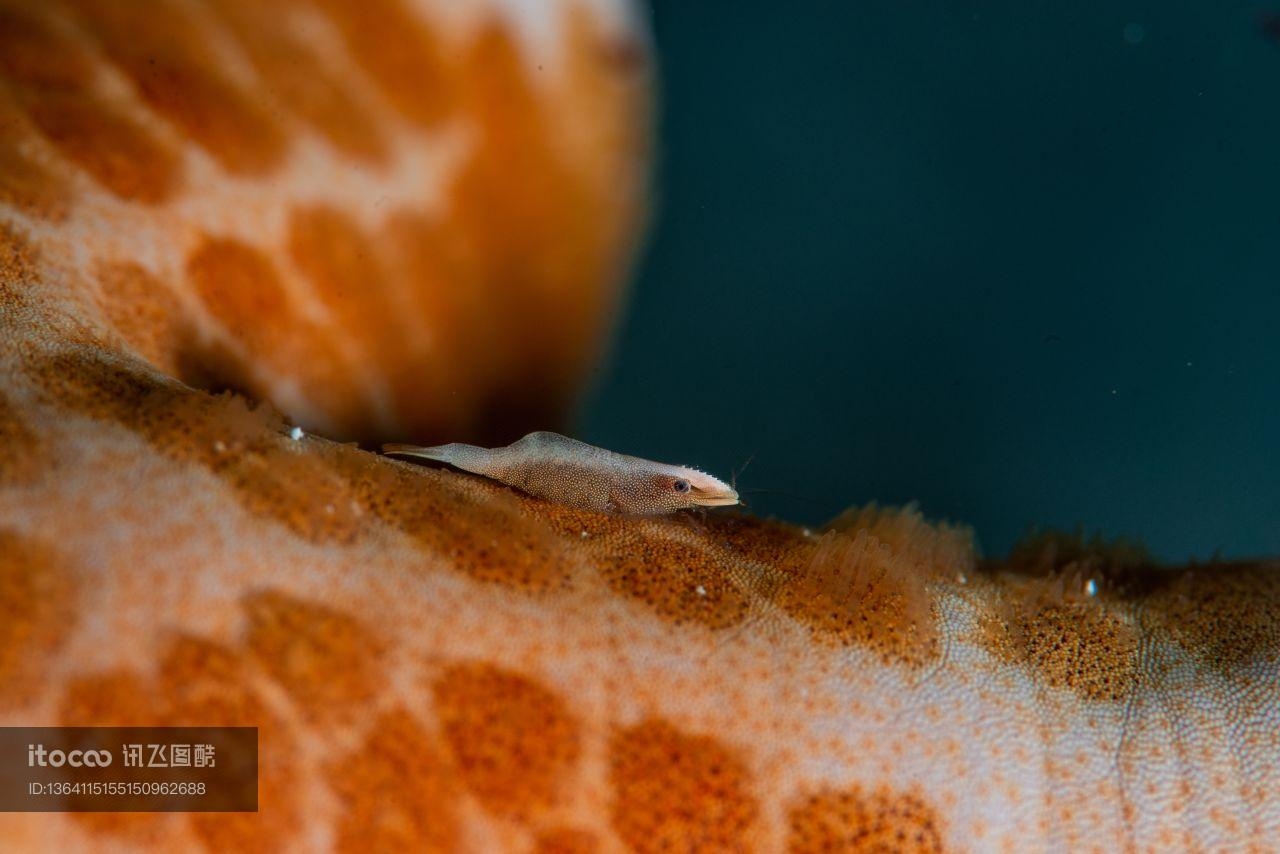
x=1019 y=261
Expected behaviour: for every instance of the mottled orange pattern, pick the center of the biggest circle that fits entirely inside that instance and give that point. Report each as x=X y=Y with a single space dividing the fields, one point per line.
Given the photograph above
x=352 y=210
x=387 y=220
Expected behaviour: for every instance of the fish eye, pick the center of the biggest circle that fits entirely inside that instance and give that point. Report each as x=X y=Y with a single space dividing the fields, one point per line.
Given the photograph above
x=681 y=485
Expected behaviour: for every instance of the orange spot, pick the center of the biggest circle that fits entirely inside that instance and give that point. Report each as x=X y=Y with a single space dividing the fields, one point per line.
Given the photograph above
x=37 y=613
x=566 y=840
x=524 y=557
x=145 y=313
x=183 y=424
x=116 y=698
x=399 y=52
x=587 y=525
x=165 y=53
x=857 y=820
x=22 y=452
x=300 y=79
x=241 y=288
x=379 y=302
x=678 y=792
x=116 y=151
x=1062 y=606
x=784 y=548
x=273 y=477
x=296 y=488
x=681 y=583
x=95 y=386
x=37 y=54
x=54 y=79
x=1082 y=647
x=202 y=679
x=453 y=353
x=199 y=683
x=1226 y=616
x=216 y=432
x=457 y=517
x=855 y=589
x=24 y=182
x=328 y=661
x=202 y=683
x=514 y=741
x=396 y=791
x=329 y=248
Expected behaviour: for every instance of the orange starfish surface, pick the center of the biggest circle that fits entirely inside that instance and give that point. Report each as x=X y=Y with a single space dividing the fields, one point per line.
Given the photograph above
x=395 y=220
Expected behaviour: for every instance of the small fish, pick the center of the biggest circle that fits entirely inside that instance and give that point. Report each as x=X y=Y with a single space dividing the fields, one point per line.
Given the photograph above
x=575 y=474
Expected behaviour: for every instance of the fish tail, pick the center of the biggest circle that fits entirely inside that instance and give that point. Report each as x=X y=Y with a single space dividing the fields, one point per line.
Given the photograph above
x=439 y=452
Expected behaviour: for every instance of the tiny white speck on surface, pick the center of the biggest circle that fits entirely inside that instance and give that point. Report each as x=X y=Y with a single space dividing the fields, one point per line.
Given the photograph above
x=807 y=532
x=219 y=446
x=585 y=535
x=295 y=434
x=962 y=578
x=702 y=591
x=1091 y=587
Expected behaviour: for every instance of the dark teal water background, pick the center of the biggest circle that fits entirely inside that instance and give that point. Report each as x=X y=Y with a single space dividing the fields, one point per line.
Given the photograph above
x=1019 y=261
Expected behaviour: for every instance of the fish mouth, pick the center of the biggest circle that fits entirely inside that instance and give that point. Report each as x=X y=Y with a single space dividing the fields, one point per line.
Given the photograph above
x=723 y=500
